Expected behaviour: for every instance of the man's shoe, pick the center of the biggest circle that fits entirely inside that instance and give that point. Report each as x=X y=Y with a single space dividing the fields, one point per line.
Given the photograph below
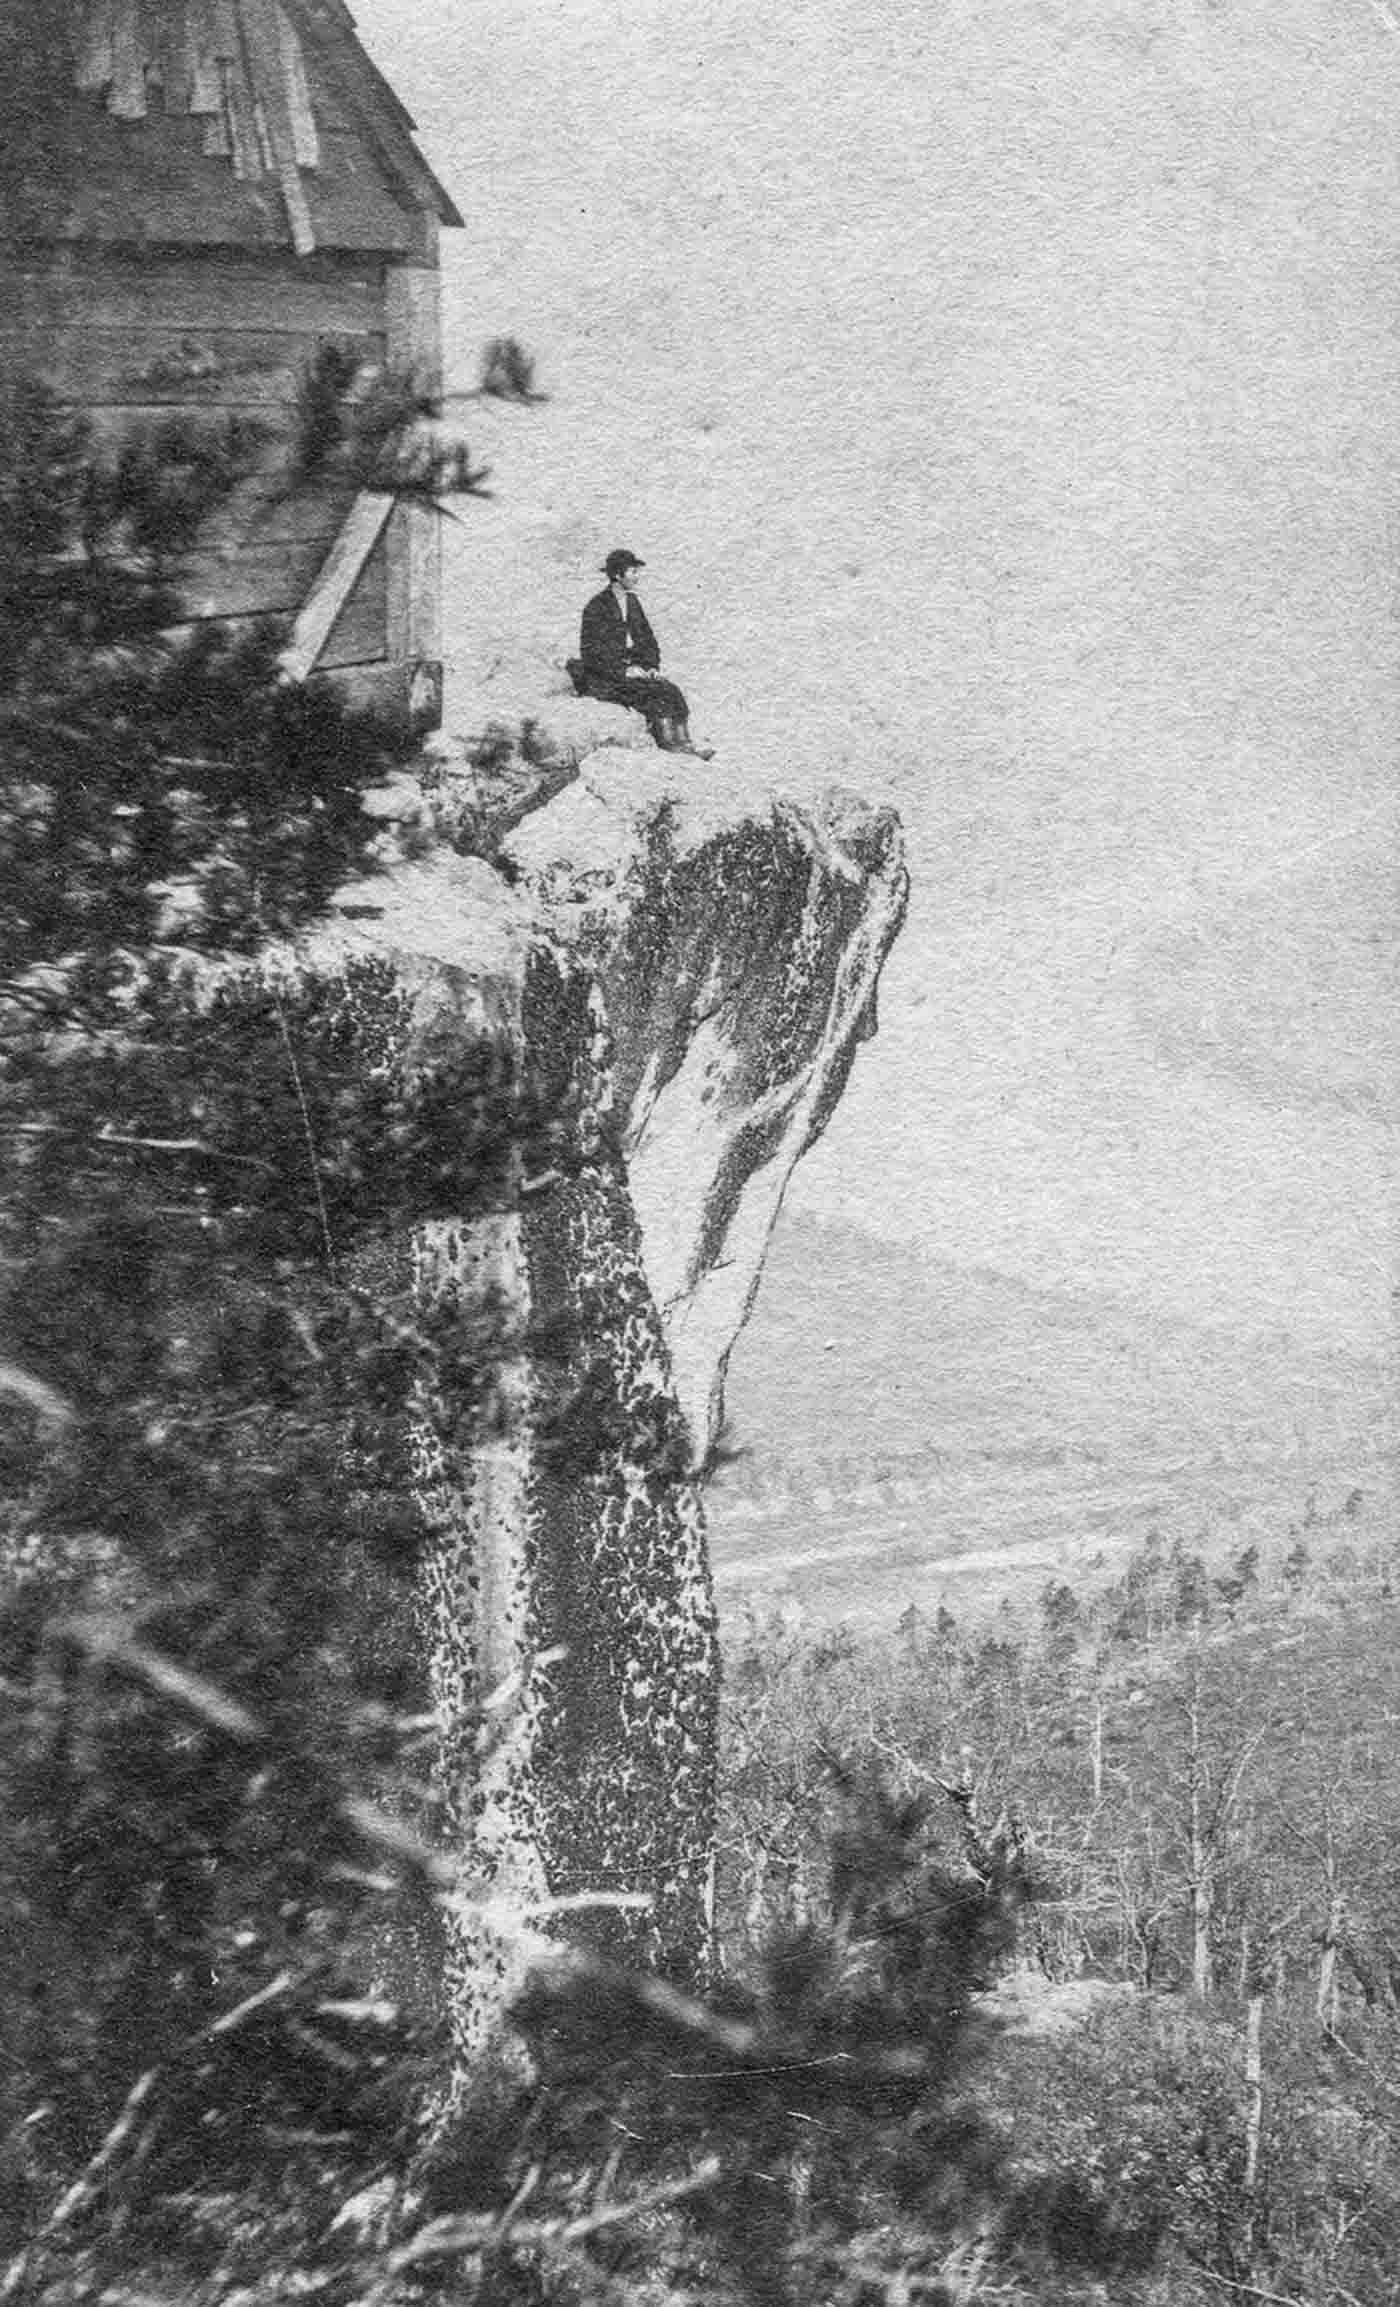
x=685 y=743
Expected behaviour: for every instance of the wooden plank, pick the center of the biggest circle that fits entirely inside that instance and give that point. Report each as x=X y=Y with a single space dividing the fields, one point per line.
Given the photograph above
x=94 y=70
x=242 y=124
x=336 y=582
x=413 y=320
x=266 y=63
x=222 y=289
x=206 y=80
x=181 y=58
x=307 y=143
x=351 y=204
x=414 y=545
x=162 y=51
x=147 y=367
x=364 y=680
x=248 y=580
x=271 y=506
x=127 y=100
x=269 y=510
x=235 y=628
x=359 y=634
x=370 y=688
x=225 y=36
x=414 y=550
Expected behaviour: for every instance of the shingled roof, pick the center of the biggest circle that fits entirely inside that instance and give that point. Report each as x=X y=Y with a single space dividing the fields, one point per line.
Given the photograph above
x=248 y=69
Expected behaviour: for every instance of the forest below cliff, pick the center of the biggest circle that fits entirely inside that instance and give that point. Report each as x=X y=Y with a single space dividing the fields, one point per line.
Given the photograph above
x=1057 y=1962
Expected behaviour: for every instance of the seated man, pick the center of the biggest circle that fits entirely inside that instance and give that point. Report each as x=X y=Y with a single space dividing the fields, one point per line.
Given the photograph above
x=621 y=659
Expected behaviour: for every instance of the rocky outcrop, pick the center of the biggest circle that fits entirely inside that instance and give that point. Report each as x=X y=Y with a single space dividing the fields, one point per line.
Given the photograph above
x=667 y=978
x=738 y=952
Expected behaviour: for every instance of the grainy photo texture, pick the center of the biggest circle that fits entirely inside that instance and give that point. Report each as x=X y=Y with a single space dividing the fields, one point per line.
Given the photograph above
x=698 y=1078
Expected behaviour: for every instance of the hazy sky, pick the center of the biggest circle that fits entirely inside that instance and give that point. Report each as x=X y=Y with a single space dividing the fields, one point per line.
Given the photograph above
x=1006 y=397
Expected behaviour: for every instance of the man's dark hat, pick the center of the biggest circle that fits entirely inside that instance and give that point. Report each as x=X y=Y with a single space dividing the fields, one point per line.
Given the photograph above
x=616 y=562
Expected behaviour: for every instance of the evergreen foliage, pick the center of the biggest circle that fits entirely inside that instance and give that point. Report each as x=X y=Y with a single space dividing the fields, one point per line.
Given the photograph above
x=153 y=793
x=375 y=431
x=207 y=1360
x=508 y=371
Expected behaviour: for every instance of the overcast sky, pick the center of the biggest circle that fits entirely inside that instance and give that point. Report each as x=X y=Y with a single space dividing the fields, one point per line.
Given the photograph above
x=1007 y=398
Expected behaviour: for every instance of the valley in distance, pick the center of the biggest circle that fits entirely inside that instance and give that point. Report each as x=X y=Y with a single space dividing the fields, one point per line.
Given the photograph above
x=902 y=1431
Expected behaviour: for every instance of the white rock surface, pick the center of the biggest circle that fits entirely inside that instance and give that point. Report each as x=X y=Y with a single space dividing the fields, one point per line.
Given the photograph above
x=774 y=917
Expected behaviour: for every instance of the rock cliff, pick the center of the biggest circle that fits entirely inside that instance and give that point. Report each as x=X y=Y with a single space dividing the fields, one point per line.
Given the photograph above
x=670 y=966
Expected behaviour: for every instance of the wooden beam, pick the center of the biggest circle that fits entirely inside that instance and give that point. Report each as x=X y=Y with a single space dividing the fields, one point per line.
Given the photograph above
x=95 y=64
x=413 y=343
x=206 y=80
x=240 y=123
x=268 y=73
x=334 y=296
x=413 y=318
x=304 y=133
x=184 y=61
x=339 y=574
x=127 y=100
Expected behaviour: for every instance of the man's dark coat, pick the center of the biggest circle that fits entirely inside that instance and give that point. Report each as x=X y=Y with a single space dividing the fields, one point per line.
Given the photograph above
x=603 y=641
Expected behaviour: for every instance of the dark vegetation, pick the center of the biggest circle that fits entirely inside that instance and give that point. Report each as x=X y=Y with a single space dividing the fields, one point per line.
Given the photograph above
x=1165 y=1810
x=508 y=372
x=1200 y=1774
x=376 y=429
x=208 y=1355
x=514 y=770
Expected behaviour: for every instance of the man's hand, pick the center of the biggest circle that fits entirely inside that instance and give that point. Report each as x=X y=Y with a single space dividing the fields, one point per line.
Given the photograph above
x=639 y=673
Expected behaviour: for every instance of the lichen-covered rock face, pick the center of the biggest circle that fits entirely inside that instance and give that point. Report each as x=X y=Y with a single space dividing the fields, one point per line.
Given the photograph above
x=672 y=977
x=737 y=937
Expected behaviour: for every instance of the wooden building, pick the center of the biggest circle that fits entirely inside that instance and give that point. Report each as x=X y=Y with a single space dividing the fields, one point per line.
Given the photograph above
x=221 y=189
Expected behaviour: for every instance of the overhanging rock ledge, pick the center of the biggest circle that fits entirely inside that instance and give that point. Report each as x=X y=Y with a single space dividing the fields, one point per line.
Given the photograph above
x=737 y=936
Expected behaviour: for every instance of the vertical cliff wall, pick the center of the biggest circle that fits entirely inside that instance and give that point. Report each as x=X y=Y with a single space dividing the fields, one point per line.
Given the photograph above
x=669 y=980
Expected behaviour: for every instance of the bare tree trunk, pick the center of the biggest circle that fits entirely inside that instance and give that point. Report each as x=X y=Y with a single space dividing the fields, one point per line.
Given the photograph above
x=756 y=1908
x=1201 y=1866
x=1202 y=1968
x=1096 y=1748
x=1327 y=1968
x=1253 y=2085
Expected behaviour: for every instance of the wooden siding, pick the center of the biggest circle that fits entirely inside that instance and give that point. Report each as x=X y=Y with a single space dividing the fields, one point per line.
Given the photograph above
x=228 y=186
x=217 y=289
x=160 y=369
x=134 y=340
x=252 y=579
